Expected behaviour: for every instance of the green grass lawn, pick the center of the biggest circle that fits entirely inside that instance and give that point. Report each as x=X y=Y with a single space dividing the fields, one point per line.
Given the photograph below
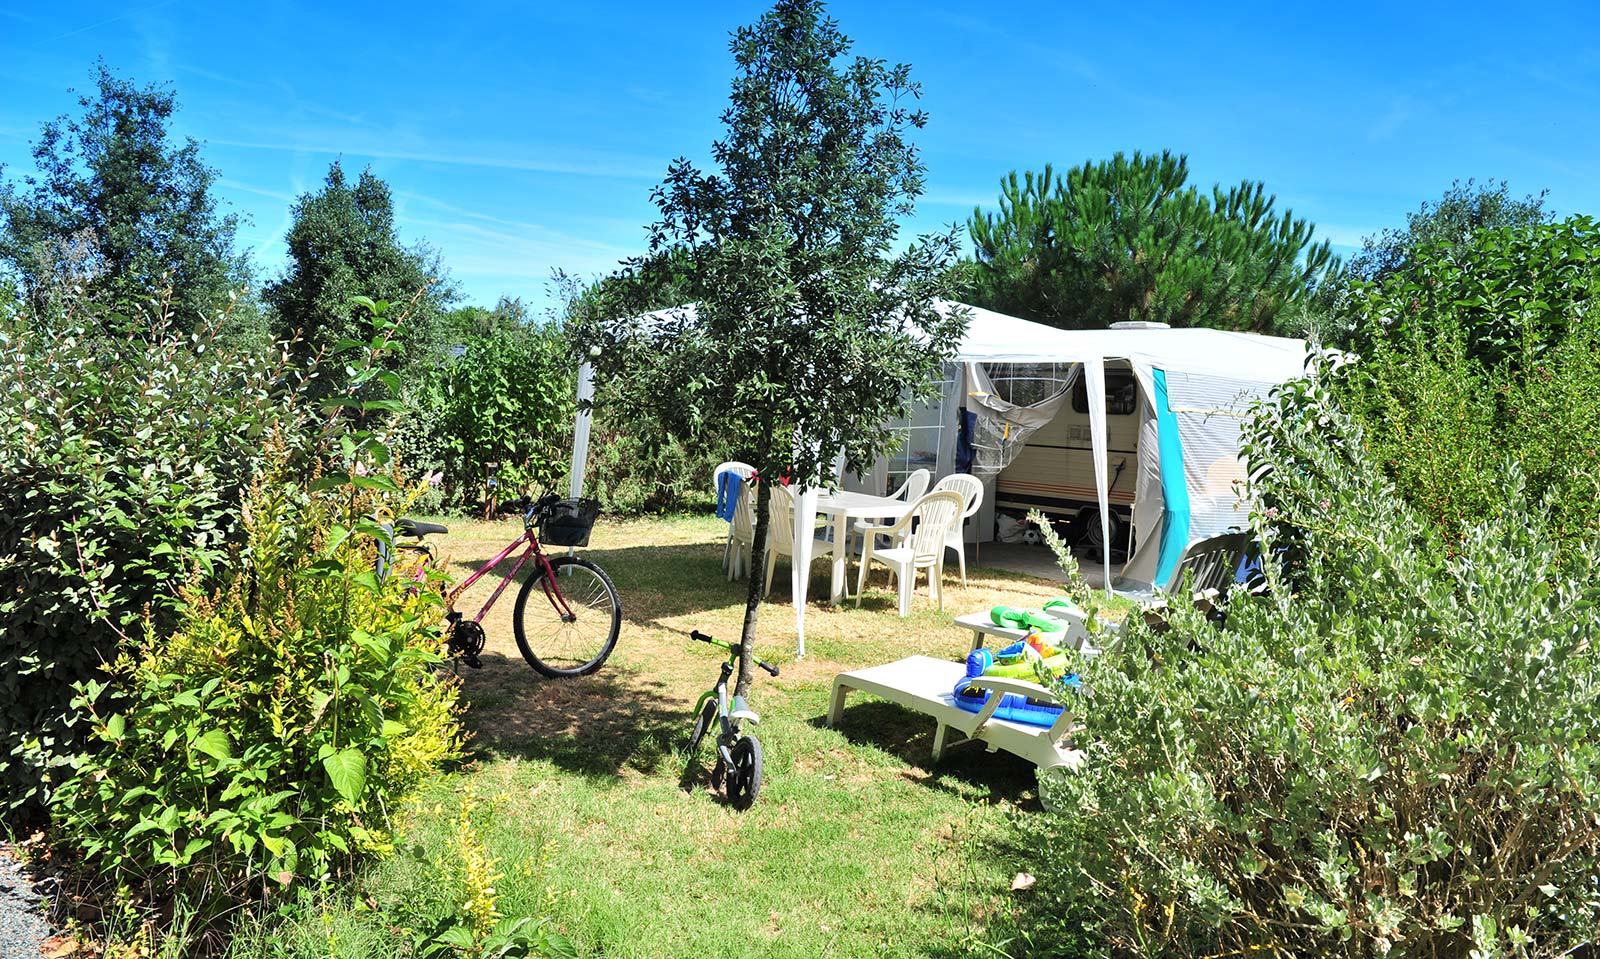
x=857 y=845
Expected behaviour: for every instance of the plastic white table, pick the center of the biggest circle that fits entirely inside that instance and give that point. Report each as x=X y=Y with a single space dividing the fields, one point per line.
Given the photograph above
x=845 y=506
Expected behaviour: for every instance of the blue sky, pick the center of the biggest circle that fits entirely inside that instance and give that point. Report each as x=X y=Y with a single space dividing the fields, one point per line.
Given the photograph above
x=520 y=137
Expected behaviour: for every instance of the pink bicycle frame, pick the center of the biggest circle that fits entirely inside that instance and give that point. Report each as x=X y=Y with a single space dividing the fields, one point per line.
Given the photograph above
x=546 y=578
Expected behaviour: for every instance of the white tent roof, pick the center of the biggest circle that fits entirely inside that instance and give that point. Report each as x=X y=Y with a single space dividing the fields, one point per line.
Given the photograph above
x=997 y=338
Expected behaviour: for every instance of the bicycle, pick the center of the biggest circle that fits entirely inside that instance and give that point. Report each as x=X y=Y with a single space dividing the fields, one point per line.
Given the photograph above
x=738 y=753
x=572 y=629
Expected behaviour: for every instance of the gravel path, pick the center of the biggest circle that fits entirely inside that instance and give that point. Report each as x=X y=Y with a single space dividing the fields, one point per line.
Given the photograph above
x=22 y=927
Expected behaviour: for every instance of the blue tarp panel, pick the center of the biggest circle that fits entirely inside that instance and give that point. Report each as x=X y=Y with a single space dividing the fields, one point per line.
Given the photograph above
x=1174 y=489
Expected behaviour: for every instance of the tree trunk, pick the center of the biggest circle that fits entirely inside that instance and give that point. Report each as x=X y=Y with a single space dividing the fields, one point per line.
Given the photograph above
x=758 y=575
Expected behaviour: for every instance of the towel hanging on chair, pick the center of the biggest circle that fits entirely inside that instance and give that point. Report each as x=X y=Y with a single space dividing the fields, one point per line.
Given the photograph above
x=728 y=486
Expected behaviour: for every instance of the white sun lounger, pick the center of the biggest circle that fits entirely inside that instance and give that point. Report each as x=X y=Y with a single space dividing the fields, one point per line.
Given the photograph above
x=927 y=685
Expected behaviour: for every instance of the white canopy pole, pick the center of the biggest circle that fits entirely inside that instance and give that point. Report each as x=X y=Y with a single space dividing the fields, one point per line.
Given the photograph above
x=580 y=430
x=1094 y=376
x=805 y=519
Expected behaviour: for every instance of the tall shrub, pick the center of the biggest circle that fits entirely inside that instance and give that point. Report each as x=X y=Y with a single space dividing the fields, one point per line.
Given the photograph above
x=1483 y=349
x=125 y=451
x=508 y=400
x=1395 y=757
x=262 y=742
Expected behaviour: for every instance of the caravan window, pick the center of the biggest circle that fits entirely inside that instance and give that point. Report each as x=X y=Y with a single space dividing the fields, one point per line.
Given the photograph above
x=1122 y=394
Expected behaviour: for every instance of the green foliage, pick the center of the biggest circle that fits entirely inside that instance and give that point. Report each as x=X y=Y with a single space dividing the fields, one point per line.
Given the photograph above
x=1465 y=209
x=637 y=463
x=807 y=326
x=501 y=392
x=1129 y=239
x=634 y=469
x=466 y=920
x=1484 y=351
x=1396 y=758
x=127 y=450
x=119 y=211
x=342 y=244
x=508 y=399
x=261 y=743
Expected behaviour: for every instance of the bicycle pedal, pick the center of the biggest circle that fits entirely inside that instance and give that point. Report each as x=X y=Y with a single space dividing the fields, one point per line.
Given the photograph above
x=472 y=660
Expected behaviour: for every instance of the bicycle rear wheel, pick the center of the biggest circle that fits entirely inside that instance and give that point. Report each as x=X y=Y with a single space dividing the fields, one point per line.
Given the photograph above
x=559 y=645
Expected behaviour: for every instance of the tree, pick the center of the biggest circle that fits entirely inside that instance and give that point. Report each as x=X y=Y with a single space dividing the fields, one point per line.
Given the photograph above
x=342 y=244
x=1464 y=209
x=1128 y=239
x=118 y=208
x=809 y=334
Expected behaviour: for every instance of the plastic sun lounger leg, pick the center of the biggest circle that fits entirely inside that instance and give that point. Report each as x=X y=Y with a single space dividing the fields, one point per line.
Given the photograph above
x=836 y=707
x=938 y=741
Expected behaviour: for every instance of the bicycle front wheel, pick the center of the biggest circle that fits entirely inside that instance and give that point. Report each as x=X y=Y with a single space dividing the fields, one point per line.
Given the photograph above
x=744 y=779
x=702 y=724
x=558 y=643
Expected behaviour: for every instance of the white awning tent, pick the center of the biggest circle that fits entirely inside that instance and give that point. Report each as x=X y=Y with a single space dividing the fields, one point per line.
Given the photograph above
x=1197 y=385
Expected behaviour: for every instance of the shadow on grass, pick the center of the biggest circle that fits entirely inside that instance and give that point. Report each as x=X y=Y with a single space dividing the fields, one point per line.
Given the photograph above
x=968 y=771
x=597 y=726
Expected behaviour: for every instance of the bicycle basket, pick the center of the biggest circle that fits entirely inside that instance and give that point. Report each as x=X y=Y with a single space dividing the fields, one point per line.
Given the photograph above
x=568 y=522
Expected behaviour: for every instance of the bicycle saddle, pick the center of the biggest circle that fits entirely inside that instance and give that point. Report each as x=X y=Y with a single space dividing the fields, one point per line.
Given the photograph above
x=742 y=710
x=412 y=527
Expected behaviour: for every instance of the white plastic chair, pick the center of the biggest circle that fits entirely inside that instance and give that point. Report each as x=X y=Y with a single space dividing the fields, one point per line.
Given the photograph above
x=910 y=491
x=971 y=490
x=914 y=487
x=919 y=539
x=744 y=471
x=780 y=533
x=742 y=531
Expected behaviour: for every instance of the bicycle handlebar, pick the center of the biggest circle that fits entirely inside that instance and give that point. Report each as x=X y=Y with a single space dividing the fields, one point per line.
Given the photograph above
x=512 y=506
x=698 y=636
x=528 y=506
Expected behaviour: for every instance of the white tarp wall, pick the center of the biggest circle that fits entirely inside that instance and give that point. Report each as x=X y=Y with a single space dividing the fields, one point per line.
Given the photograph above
x=1209 y=413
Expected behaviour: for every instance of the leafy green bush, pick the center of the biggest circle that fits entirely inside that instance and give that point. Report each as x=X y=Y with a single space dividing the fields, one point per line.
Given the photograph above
x=1480 y=351
x=1400 y=756
x=126 y=450
x=262 y=743
x=509 y=400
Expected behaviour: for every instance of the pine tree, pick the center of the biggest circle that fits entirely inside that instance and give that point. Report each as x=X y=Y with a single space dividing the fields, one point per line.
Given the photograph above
x=1130 y=239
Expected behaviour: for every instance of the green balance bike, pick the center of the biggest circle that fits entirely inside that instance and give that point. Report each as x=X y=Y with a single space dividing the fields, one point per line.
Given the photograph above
x=738 y=768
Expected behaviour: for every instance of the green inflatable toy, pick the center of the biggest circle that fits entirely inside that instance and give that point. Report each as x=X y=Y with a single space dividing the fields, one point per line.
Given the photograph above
x=1032 y=620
